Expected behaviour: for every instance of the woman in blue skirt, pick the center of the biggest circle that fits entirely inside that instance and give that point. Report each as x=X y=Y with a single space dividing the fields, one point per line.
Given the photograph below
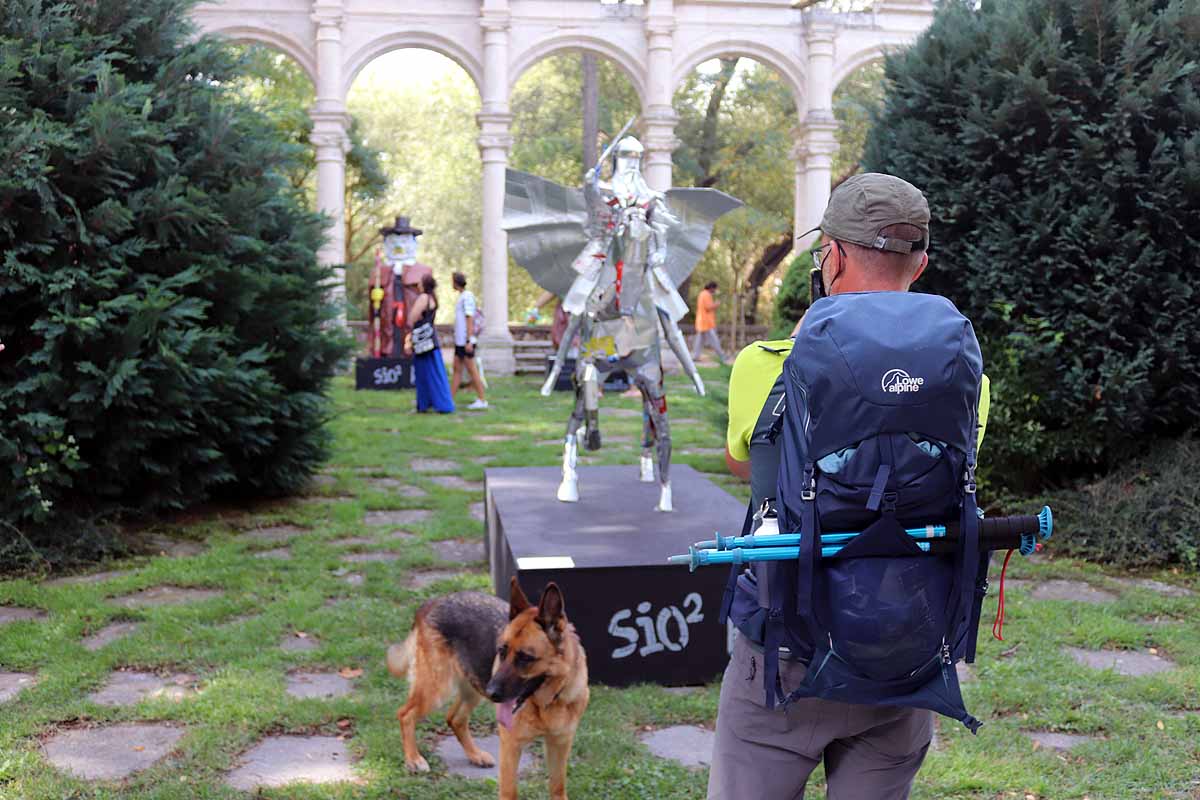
x=433 y=390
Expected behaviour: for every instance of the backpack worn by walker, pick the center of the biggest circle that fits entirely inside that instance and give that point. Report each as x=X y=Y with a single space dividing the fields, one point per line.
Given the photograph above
x=879 y=435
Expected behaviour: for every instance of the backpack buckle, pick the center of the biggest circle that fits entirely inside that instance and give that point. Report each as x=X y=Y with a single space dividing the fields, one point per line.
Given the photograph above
x=969 y=480
x=809 y=492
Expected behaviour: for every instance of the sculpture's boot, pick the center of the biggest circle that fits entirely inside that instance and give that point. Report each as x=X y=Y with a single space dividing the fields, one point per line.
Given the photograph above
x=664 y=498
x=647 y=471
x=568 y=490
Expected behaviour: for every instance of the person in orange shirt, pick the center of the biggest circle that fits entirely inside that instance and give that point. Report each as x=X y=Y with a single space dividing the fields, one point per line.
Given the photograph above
x=706 y=323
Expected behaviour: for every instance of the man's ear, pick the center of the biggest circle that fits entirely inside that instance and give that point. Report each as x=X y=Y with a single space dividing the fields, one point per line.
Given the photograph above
x=920 y=268
x=517 y=601
x=550 y=609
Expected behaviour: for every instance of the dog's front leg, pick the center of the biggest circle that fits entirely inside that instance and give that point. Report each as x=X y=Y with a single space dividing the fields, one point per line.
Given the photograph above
x=558 y=751
x=510 y=760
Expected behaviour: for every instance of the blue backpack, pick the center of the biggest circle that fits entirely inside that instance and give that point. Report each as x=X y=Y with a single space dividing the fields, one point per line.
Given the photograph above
x=879 y=435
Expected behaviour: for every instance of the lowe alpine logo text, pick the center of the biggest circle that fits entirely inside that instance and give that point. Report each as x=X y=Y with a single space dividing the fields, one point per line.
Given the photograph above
x=897 y=381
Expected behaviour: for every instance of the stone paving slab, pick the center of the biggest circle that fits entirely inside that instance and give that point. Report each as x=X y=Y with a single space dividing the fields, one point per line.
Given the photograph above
x=455 y=482
x=486 y=459
x=129 y=687
x=280 y=760
x=433 y=465
x=320 y=685
x=274 y=534
x=451 y=753
x=87 y=580
x=17 y=614
x=965 y=673
x=460 y=551
x=621 y=412
x=1058 y=741
x=478 y=511
x=1123 y=662
x=323 y=481
x=393 y=485
x=109 y=634
x=401 y=536
x=1078 y=591
x=704 y=451
x=681 y=691
x=175 y=548
x=294 y=643
x=427 y=578
x=1158 y=587
x=689 y=745
x=495 y=437
x=355 y=541
x=370 y=557
x=164 y=596
x=408 y=516
x=282 y=553
x=13 y=683
x=355 y=579
x=111 y=752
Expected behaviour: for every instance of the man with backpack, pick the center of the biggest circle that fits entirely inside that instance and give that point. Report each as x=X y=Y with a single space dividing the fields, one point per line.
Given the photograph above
x=466 y=325
x=868 y=422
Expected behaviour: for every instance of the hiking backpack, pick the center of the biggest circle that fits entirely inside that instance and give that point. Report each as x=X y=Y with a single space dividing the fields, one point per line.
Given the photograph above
x=878 y=434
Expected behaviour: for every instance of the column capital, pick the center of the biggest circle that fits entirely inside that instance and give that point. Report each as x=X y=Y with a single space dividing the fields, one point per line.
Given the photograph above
x=818 y=135
x=494 y=139
x=329 y=134
x=328 y=14
x=658 y=27
x=495 y=20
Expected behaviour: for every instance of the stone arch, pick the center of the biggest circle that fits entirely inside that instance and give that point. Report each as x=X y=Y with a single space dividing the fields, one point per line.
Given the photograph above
x=632 y=66
x=419 y=40
x=868 y=55
x=788 y=67
x=251 y=34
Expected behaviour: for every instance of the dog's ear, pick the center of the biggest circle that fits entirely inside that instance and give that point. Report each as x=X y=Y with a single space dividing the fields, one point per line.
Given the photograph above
x=517 y=601
x=550 y=610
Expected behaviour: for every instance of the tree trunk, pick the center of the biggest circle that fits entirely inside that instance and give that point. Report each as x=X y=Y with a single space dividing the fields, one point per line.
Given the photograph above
x=591 y=110
x=709 y=140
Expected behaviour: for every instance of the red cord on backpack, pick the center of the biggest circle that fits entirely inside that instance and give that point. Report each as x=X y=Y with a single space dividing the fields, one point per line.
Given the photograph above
x=998 y=624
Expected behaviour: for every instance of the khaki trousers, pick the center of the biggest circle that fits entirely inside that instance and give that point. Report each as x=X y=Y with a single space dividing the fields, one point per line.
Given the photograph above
x=870 y=752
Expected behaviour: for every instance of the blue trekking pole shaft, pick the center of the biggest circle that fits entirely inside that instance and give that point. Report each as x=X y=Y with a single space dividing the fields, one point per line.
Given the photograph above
x=701 y=558
x=997 y=533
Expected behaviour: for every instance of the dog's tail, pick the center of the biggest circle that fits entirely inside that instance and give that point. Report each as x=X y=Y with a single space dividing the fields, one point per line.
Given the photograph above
x=400 y=656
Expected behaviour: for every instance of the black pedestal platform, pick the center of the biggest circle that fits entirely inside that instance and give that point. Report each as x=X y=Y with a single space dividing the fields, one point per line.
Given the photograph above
x=383 y=373
x=640 y=619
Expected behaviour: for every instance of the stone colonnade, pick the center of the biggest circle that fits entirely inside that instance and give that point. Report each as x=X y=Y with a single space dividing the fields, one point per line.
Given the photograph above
x=657 y=44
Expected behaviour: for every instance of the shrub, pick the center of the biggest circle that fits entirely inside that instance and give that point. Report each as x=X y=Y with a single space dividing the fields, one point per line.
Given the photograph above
x=1143 y=515
x=167 y=337
x=1059 y=146
x=793 y=298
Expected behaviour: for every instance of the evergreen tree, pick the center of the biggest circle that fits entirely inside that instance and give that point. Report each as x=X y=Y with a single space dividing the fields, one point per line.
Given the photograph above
x=1058 y=142
x=167 y=337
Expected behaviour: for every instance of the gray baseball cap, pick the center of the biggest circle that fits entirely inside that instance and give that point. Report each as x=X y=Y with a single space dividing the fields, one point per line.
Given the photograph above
x=863 y=205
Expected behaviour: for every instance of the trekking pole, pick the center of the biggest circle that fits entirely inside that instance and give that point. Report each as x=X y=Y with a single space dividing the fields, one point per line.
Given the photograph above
x=998 y=533
x=991 y=529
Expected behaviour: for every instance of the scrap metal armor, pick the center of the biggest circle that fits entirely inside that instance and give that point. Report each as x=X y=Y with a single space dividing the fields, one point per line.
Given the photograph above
x=619 y=289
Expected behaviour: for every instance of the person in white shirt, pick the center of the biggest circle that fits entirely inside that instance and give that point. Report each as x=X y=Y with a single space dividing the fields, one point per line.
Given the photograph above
x=465 y=311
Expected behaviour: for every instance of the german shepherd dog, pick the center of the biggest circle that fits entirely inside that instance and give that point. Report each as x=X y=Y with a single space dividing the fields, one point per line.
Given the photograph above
x=462 y=648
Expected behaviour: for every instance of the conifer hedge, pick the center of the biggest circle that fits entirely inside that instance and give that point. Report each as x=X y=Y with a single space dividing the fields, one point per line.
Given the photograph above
x=167 y=337
x=1058 y=142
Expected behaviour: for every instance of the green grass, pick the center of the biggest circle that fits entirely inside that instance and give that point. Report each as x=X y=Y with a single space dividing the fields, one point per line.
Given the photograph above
x=231 y=642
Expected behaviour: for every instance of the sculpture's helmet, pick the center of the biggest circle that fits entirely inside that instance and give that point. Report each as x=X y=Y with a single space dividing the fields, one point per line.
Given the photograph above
x=628 y=156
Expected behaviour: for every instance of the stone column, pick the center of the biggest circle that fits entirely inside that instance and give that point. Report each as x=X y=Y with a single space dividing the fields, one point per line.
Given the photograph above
x=329 y=137
x=658 y=114
x=496 y=344
x=819 y=127
x=799 y=191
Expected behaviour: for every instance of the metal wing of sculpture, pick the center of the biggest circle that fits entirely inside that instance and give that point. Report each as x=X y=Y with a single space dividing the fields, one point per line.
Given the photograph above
x=546 y=226
x=697 y=210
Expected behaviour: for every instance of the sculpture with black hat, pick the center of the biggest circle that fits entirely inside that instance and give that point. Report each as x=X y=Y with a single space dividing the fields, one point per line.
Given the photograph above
x=395 y=284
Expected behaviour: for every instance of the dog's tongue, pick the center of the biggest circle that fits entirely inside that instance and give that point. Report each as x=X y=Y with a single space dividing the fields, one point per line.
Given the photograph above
x=504 y=713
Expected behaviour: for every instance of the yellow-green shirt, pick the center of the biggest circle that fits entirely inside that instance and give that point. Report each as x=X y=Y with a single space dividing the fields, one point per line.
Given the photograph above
x=755 y=372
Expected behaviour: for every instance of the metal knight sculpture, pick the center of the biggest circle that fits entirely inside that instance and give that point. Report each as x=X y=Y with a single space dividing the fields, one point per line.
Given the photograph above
x=616 y=252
